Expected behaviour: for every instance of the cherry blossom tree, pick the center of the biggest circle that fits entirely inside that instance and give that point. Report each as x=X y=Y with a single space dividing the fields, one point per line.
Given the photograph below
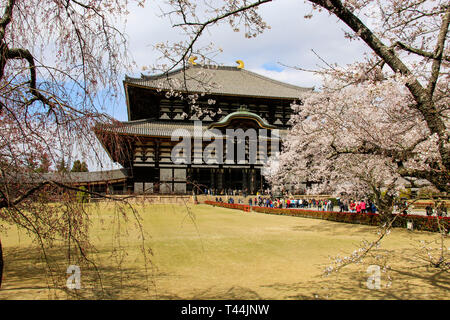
x=333 y=131
x=59 y=60
x=391 y=109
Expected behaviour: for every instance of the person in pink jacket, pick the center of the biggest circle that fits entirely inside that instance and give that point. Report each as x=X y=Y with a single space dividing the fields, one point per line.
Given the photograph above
x=363 y=206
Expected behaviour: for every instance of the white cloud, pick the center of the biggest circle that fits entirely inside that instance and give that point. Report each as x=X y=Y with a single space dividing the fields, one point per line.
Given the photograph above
x=289 y=40
x=295 y=77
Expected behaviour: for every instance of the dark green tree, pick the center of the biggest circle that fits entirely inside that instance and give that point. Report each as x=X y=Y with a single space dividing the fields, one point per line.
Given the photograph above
x=79 y=166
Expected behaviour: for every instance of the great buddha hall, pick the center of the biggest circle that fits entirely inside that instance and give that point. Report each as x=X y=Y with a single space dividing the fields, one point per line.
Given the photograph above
x=188 y=104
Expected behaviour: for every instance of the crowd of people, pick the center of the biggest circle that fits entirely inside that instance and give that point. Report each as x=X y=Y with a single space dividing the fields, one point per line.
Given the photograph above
x=345 y=205
x=335 y=204
x=233 y=192
x=440 y=211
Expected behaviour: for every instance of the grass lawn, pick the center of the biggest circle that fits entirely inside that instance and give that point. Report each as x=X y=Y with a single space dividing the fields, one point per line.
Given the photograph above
x=218 y=253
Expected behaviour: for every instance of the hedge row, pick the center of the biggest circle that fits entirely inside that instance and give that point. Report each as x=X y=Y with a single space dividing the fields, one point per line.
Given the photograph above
x=244 y=207
x=423 y=223
x=371 y=219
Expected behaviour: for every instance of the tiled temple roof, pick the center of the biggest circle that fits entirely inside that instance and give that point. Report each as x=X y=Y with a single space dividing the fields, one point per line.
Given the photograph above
x=159 y=128
x=70 y=177
x=88 y=177
x=221 y=80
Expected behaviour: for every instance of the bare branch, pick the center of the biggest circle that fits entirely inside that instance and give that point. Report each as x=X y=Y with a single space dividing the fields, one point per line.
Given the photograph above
x=203 y=25
x=6 y=18
x=438 y=54
x=7 y=203
x=18 y=53
x=419 y=52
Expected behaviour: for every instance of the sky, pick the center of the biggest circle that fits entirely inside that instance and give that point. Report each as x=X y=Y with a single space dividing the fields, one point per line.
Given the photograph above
x=289 y=42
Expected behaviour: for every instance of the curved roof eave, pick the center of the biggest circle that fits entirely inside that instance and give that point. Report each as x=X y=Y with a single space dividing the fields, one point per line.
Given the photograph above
x=242 y=115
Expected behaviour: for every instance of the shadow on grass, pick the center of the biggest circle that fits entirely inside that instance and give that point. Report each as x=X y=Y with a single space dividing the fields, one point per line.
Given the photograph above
x=407 y=278
x=26 y=277
x=26 y=272
x=233 y=293
x=336 y=228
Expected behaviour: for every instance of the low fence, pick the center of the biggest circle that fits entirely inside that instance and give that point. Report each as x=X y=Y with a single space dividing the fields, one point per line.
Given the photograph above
x=423 y=223
x=423 y=204
x=243 y=207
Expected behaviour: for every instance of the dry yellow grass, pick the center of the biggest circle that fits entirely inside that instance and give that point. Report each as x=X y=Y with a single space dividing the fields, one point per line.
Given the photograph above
x=219 y=253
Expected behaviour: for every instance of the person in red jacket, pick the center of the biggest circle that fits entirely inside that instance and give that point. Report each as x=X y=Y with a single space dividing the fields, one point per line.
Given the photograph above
x=358 y=207
x=352 y=206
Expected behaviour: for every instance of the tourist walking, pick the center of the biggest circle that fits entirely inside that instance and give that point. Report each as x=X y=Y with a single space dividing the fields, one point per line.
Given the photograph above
x=363 y=207
x=358 y=207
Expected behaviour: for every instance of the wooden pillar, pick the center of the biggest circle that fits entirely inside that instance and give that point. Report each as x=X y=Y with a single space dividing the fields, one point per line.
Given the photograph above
x=260 y=181
x=271 y=113
x=212 y=183
x=252 y=181
x=244 y=180
x=156 y=186
x=220 y=179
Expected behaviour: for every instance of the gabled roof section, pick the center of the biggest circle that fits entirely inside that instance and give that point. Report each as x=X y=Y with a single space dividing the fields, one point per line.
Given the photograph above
x=220 y=80
x=242 y=113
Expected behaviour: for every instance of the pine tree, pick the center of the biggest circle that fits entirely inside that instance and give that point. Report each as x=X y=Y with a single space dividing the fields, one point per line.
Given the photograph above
x=79 y=166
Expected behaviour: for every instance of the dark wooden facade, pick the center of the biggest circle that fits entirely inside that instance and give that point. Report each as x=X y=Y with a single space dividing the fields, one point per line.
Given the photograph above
x=153 y=115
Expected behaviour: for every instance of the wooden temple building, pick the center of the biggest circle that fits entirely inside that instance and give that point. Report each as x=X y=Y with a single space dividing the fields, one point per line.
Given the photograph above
x=228 y=97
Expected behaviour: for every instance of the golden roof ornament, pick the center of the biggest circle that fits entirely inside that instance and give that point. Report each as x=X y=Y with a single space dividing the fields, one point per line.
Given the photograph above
x=192 y=60
x=241 y=64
